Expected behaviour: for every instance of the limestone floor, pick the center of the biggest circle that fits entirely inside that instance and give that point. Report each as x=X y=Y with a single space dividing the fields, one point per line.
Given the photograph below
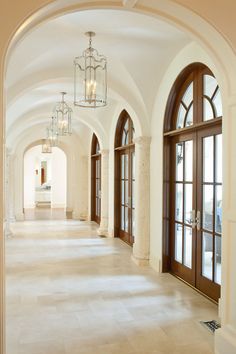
x=70 y=292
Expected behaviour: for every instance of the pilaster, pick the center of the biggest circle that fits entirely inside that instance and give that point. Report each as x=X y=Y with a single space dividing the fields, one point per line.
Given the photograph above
x=103 y=229
x=141 y=247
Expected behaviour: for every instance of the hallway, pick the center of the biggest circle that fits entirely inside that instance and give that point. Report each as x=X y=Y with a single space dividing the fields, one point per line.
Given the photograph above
x=70 y=292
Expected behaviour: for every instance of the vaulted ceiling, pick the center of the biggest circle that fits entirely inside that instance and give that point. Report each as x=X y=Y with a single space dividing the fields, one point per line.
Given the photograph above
x=138 y=48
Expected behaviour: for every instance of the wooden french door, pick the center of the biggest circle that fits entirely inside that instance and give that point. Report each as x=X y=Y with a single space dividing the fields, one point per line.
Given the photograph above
x=125 y=221
x=96 y=189
x=196 y=213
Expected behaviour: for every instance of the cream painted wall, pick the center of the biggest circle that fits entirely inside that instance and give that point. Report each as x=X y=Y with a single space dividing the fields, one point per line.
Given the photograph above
x=224 y=60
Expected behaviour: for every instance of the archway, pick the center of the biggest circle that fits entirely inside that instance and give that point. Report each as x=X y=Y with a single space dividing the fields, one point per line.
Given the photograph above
x=224 y=70
x=45 y=180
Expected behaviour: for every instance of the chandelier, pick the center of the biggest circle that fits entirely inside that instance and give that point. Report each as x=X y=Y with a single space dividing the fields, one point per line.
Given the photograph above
x=63 y=117
x=46 y=146
x=90 y=77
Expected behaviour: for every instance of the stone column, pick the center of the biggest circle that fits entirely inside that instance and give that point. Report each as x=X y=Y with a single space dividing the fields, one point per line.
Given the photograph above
x=141 y=247
x=103 y=229
x=18 y=178
x=225 y=338
x=9 y=192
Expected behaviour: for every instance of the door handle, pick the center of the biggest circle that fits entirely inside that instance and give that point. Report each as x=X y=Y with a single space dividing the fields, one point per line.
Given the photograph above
x=198 y=220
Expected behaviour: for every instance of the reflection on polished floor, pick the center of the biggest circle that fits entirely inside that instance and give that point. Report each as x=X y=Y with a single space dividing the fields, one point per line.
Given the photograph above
x=71 y=292
x=46 y=213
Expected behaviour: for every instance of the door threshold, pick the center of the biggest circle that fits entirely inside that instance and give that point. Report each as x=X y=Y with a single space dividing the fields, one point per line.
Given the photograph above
x=197 y=290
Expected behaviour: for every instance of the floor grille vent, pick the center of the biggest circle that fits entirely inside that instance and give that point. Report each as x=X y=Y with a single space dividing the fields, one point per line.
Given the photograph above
x=211 y=325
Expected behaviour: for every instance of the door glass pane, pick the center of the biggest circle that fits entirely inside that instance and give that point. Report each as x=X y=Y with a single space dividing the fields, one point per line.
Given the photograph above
x=99 y=168
x=126 y=192
x=209 y=85
x=126 y=219
x=208 y=153
x=189 y=118
x=189 y=161
x=218 y=259
x=208 y=112
x=188 y=204
x=122 y=166
x=207 y=222
x=122 y=226
x=188 y=247
x=126 y=166
x=218 y=209
x=179 y=202
x=217 y=101
x=219 y=158
x=207 y=255
x=180 y=117
x=188 y=96
x=178 y=243
x=123 y=192
x=179 y=161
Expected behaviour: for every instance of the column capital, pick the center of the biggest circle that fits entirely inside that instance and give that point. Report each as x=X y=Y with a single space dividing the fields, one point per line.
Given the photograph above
x=143 y=140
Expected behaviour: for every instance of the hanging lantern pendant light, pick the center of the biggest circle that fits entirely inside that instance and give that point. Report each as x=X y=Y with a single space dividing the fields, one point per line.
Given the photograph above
x=90 y=77
x=52 y=132
x=63 y=116
x=46 y=146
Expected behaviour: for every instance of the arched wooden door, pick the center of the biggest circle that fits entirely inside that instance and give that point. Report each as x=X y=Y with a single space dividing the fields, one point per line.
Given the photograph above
x=193 y=181
x=124 y=179
x=95 y=180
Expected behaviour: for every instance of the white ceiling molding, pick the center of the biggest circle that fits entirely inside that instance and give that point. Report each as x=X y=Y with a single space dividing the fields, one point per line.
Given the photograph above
x=129 y=3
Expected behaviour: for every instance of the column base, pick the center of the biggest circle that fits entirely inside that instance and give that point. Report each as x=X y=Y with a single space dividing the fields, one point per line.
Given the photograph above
x=8 y=234
x=225 y=340
x=75 y=215
x=141 y=262
x=20 y=217
x=102 y=232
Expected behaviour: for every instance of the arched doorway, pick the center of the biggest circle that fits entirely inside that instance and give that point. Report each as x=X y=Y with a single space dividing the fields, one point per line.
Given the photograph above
x=95 y=180
x=45 y=182
x=124 y=179
x=193 y=180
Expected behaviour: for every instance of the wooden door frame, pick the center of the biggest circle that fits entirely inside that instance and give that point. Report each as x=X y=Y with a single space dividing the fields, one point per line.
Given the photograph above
x=120 y=149
x=202 y=283
x=176 y=267
x=94 y=216
x=95 y=156
x=129 y=149
x=169 y=132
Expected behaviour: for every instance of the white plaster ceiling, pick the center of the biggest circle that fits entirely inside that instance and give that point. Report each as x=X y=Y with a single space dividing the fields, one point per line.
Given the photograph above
x=138 y=49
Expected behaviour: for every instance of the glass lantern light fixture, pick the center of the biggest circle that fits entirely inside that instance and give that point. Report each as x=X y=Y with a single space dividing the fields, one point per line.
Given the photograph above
x=52 y=132
x=90 y=77
x=63 y=117
x=46 y=146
